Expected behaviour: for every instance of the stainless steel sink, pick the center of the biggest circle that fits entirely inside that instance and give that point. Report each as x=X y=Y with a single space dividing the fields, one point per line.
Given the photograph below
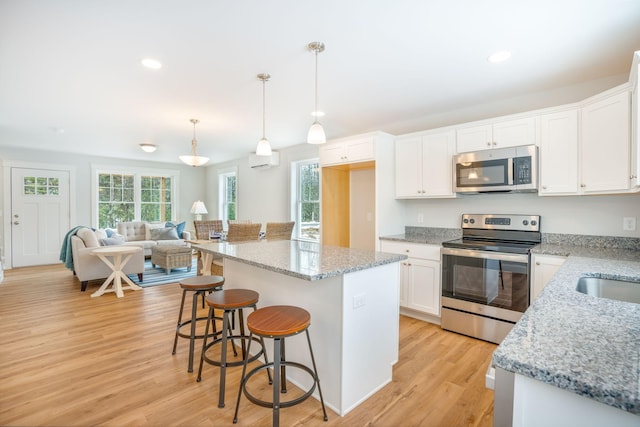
x=620 y=290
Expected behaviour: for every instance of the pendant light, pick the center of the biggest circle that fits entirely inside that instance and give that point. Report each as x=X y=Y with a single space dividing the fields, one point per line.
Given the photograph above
x=263 y=148
x=316 y=132
x=193 y=159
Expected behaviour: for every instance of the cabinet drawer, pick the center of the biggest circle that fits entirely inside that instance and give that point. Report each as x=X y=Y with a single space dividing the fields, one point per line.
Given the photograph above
x=413 y=250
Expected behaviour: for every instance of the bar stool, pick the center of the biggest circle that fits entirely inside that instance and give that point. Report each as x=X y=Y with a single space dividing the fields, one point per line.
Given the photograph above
x=279 y=322
x=229 y=300
x=199 y=285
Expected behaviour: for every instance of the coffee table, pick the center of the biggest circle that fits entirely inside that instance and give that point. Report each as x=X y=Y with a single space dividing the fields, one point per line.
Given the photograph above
x=121 y=256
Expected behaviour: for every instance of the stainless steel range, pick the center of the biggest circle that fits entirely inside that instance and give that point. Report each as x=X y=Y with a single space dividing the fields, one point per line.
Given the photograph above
x=486 y=274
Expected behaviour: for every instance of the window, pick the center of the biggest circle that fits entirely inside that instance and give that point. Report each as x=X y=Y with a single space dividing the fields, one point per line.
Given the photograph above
x=306 y=203
x=130 y=195
x=227 y=195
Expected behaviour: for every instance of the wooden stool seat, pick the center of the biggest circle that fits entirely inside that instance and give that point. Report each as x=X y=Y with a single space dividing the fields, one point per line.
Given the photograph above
x=233 y=298
x=200 y=286
x=201 y=283
x=278 y=321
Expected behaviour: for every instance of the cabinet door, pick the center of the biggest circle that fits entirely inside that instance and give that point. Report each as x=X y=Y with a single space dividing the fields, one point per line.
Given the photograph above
x=559 y=153
x=604 y=153
x=437 y=164
x=359 y=150
x=408 y=167
x=423 y=286
x=514 y=133
x=474 y=138
x=332 y=154
x=544 y=267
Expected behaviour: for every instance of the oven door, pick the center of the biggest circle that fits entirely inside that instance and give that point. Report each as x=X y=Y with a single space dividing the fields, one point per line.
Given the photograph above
x=492 y=279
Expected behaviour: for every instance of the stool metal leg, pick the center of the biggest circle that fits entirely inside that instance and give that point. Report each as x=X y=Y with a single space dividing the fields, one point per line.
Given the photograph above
x=243 y=380
x=277 y=346
x=315 y=370
x=204 y=342
x=223 y=358
x=175 y=340
x=192 y=336
x=283 y=368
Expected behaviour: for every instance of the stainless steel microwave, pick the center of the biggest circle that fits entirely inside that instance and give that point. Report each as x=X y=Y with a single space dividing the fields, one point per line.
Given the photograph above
x=512 y=169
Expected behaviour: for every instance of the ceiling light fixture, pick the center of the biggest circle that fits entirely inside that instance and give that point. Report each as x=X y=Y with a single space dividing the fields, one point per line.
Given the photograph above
x=148 y=148
x=152 y=64
x=316 y=133
x=499 y=56
x=263 y=148
x=193 y=159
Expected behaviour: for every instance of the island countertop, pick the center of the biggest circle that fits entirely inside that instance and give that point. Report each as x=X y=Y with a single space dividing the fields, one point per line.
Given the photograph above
x=580 y=343
x=304 y=260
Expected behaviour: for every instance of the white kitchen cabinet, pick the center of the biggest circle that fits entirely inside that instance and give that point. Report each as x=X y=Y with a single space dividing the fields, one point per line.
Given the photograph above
x=559 y=153
x=509 y=133
x=359 y=149
x=605 y=145
x=543 y=269
x=424 y=165
x=419 y=277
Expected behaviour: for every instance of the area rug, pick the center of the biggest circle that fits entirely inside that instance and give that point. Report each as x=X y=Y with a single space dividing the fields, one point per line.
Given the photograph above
x=158 y=276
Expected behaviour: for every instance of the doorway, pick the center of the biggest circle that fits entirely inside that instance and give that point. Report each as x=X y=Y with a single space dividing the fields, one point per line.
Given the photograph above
x=40 y=215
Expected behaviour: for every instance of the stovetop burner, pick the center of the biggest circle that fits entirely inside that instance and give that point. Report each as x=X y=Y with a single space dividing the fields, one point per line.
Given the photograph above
x=498 y=233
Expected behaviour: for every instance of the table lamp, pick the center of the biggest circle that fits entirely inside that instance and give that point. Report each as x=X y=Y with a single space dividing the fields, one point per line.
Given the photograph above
x=198 y=209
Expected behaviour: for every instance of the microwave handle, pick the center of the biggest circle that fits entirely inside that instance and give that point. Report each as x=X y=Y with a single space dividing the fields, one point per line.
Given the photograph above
x=511 y=165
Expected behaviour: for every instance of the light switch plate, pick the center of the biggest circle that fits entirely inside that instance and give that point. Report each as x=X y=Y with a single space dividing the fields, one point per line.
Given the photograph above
x=629 y=223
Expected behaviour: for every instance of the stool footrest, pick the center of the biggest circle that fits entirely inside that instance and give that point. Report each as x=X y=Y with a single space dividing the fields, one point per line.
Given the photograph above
x=233 y=363
x=283 y=404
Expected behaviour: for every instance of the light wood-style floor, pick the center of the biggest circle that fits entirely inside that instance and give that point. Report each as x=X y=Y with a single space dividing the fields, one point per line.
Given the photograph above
x=67 y=359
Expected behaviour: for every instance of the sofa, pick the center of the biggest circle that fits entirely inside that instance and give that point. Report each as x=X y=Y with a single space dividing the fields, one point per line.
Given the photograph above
x=90 y=267
x=148 y=235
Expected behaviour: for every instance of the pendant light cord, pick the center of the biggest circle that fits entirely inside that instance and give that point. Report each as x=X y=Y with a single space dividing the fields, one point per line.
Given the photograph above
x=264 y=108
x=316 y=112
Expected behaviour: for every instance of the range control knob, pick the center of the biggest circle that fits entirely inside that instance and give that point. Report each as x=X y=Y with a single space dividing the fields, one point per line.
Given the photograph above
x=534 y=222
x=466 y=221
x=472 y=221
x=525 y=222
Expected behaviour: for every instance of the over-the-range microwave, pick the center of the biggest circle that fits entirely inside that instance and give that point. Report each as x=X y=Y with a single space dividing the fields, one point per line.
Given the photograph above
x=512 y=169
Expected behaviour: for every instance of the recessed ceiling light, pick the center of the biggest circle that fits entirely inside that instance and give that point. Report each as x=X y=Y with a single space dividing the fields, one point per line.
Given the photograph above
x=501 y=56
x=152 y=64
x=317 y=113
x=149 y=148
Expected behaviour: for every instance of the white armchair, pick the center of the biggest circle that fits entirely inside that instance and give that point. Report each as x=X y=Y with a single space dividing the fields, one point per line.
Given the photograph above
x=90 y=267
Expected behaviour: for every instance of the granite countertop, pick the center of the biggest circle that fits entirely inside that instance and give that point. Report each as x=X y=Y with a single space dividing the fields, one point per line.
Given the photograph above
x=580 y=343
x=304 y=260
x=425 y=235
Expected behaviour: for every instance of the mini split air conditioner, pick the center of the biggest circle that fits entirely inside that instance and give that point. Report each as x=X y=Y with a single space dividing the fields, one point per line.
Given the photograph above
x=264 y=162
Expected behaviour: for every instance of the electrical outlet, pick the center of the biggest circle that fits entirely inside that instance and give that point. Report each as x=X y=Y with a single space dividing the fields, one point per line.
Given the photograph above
x=629 y=223
x=420 y=218
x=359 y=300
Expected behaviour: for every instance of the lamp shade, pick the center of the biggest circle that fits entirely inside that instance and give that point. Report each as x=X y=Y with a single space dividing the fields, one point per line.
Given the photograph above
x=316 y=134
x=198 y=208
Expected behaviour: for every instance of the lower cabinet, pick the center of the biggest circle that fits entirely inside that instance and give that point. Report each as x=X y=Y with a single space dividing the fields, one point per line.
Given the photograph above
x=543 y=269
x=419 y=278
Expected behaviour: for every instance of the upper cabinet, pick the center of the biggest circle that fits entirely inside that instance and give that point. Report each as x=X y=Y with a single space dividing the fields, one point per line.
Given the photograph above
x=351 y=150
x=605 y=145
x=559 y=153
x=424 y=165
x=500 y=134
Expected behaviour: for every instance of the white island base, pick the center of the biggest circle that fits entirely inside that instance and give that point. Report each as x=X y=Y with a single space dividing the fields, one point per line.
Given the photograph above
x=354 y=326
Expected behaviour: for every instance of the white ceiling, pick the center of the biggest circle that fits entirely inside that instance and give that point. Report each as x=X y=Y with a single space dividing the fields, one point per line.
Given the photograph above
x=71 y=79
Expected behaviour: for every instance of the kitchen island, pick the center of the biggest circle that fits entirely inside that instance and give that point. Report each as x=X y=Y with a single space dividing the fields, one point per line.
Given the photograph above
x=353 y=298
x=574 y=359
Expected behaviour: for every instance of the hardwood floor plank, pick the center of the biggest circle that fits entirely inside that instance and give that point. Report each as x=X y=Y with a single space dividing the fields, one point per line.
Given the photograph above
x=69 y=359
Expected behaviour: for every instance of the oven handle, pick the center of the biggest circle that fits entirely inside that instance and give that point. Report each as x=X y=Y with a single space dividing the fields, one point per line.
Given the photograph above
x=500 y=256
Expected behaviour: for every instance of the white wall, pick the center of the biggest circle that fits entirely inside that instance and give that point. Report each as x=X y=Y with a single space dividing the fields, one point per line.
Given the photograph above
x=590 y=215
x=263 y=195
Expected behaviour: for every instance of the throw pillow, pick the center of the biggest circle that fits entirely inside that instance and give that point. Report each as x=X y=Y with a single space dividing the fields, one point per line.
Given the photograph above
x=109 y=241
x=169 y=233
x=110 y=232
x=88 y=236
x=148 y=227
x=179 y=227
x=101 y=233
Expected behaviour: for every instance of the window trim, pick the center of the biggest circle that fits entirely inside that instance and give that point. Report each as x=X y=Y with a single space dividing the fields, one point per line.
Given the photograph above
x=294 y=198
x=222 y=173
x=137 y=172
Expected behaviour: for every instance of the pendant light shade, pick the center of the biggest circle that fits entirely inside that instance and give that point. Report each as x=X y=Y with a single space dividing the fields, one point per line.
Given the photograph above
x=193 y=159
x=263 y=148
x=316 y=133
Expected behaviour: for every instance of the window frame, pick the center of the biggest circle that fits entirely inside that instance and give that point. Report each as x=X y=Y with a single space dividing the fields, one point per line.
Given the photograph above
x=296 y=201
x=223 y=174
x=137 y=173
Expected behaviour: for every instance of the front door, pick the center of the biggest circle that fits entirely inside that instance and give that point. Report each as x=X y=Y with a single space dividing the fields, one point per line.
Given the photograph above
x=39 y=215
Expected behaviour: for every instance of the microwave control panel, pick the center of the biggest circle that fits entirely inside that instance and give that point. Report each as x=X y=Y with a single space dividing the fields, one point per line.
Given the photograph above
x=522 y=170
